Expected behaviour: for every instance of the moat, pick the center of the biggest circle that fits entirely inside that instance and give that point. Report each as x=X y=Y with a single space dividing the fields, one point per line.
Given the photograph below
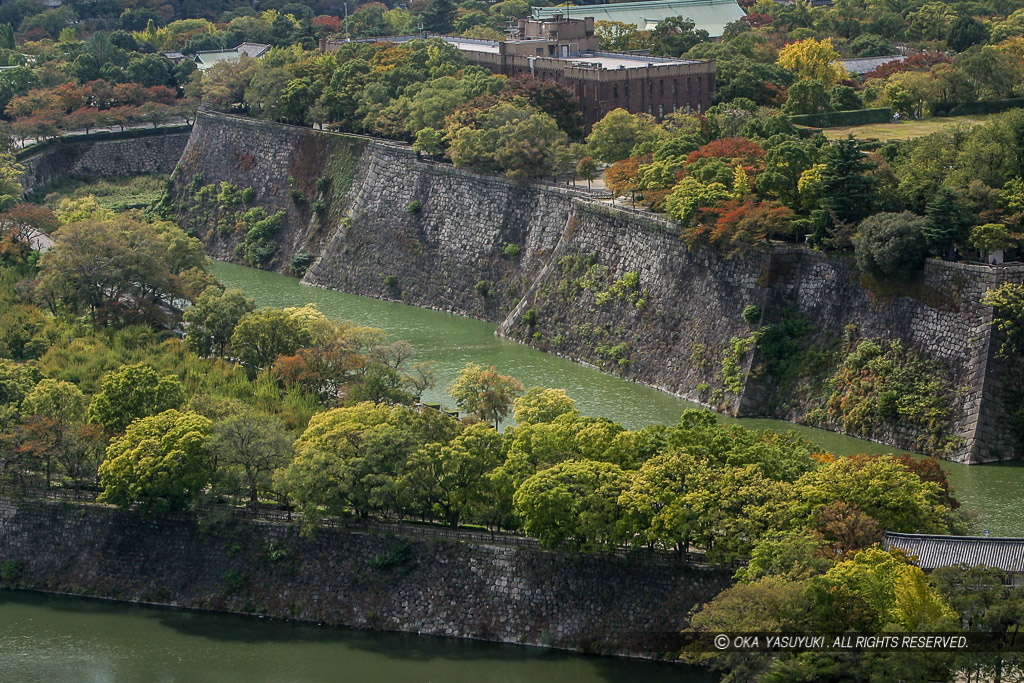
x=452 y=341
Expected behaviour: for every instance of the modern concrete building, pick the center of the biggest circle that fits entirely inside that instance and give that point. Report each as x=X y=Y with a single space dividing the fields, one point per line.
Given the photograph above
x=567 y=51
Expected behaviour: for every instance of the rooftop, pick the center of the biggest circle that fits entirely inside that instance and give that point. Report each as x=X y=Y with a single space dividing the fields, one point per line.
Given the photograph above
x=934 y=551
x=601 y=60
x=862 y=65
x=710 y=15
x=207 y=58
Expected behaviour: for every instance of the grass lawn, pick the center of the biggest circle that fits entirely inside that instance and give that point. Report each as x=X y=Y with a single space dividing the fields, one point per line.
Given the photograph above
x=904 y=130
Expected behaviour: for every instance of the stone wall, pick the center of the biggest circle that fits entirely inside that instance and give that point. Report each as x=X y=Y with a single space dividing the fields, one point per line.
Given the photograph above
x=348 y=578
x=398 y=227
x=104 y=155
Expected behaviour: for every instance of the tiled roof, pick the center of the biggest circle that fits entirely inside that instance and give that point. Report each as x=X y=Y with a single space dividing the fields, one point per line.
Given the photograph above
x=207 y=58
x=862 y=65
x=948 y=551
x=710 y=15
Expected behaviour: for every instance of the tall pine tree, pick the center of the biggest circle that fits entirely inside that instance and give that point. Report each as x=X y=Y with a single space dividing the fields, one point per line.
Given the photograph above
x=949 y=223
x=849 y=192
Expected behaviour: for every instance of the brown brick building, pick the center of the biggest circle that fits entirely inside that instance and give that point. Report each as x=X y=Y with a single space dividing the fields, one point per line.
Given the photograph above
x=566 y=51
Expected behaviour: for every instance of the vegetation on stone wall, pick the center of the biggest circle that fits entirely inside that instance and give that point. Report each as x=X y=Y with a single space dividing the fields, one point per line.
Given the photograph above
x=884 y=386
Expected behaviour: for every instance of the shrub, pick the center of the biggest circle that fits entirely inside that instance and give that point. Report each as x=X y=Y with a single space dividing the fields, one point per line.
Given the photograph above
x=248 y=194
x=751 y=314
x=414 y=206
x=390 y=281
x=856 y=117
x=319 y=206
x=301 y=263
x=890 y=245
x=298 y=196
x=530 y=317
x=482 y=288
x=323 y=183
x=512 y=251
x=10 y=571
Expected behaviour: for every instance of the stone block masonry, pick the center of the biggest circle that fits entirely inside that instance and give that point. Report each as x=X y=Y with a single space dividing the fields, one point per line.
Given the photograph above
x=348 y=578
x=595 y=282
x=103 y=156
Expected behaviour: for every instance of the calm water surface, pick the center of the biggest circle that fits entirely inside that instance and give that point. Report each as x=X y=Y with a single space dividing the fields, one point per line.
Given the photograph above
x=53 y=639
x=997 y=491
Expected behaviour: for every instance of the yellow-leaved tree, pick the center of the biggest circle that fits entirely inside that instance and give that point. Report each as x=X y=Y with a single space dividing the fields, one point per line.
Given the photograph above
x=813 y=59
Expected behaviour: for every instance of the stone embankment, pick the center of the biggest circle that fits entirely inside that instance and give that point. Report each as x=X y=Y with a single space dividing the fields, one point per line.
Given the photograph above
x=591 y=281
x=352 y=578
x=136 y=152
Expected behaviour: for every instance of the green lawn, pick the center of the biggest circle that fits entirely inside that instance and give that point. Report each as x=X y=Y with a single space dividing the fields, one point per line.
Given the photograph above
x=904 y=130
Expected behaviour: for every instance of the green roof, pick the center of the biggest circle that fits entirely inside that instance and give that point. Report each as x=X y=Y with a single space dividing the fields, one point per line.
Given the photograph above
x=710 y=15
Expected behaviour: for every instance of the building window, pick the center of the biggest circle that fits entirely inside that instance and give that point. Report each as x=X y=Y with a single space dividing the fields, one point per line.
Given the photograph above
x=626 y=86
x=689 y=86
x=700 y=85
x=540 y=50
x=675 y=87
x=661 y=88
x=661 y=111
x=615 y=91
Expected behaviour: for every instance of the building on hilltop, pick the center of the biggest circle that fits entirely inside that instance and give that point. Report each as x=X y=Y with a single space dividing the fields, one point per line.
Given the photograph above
x=709 y=15
x=207 y=58
x=567 y=52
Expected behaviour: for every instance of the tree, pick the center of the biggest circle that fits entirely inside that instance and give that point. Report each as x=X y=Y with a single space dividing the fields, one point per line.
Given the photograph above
x=848 y=193
x=161 y=463
x=428 y=140
x=784 y=164
x=261 y=336
x=812 y=59
x=891 y=245
x=992 y=237
x=948 y=222
x=212 y=319
x=252 y=443
x=614 y=137
x=439 y=16
x=674 y=36
x=451 y=480
x=896 y=498
x=807 y=97
x=61 y=407
x=965 y=32
x=659 y=506
x=132 y=392
x=586 y=168
x=119 y=271
x=352 y=457
x=540 y=405
x=575 y=503
x=485 y=393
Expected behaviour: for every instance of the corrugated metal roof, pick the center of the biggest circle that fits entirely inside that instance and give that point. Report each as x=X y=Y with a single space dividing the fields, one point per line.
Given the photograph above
x=862 y=65
x=933 y=552
x=710 y=15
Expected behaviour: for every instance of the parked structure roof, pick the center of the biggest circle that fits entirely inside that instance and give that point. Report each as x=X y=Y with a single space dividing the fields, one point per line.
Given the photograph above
x=710 y=15
x=933 y=551
x=207 y=58
x=862 y=65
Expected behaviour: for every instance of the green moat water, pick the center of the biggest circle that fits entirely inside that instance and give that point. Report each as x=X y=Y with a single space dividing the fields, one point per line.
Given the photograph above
x=996 y=491
x=53 y=639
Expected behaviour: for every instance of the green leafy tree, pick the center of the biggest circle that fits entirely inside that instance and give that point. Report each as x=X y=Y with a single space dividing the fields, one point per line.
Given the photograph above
x=948 y=222
x=849 y=192
x=574 y=503
x=614 y=137
x=161 y=463
x=539 y=405
x=891 y=245
x=261 y=336
x=484 y=392
x=676 y=35
x=965 y=32
x=60 y=408
x=252 y=444
x=450 y=480
x=132 y=392
x=992 y=237
x=212 y=319
x=807 y=97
